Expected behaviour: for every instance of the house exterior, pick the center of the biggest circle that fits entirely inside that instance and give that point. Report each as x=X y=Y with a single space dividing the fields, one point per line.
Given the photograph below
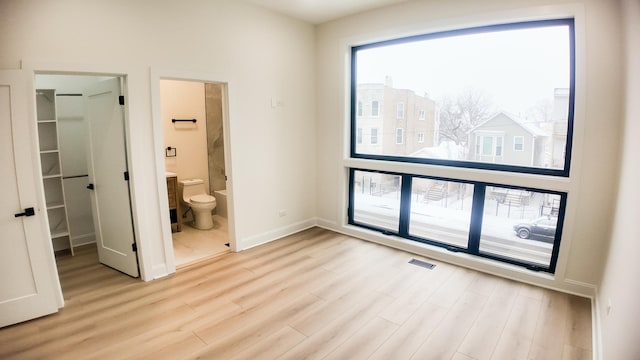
x=504 y=140
x=557 y=127
x=391 y=121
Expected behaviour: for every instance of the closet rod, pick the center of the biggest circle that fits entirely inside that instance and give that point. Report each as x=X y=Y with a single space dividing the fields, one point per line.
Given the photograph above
x=68 y=94
x=75 y=176
x=183 y=120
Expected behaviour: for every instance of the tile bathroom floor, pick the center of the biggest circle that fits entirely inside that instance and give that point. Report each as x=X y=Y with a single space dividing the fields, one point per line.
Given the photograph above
x=192 y=245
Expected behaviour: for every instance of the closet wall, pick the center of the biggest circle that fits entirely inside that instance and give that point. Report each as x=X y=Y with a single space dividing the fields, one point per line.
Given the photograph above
x=73 y=137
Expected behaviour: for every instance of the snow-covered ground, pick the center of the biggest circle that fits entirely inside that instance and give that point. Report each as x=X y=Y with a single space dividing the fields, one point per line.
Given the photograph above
x=448 y=221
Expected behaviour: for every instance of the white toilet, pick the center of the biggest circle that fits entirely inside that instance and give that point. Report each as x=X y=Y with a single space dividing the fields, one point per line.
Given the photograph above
x=194 y=195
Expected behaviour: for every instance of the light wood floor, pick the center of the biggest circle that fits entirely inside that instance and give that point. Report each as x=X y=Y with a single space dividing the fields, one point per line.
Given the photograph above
x=191 y=245
x=313 y=295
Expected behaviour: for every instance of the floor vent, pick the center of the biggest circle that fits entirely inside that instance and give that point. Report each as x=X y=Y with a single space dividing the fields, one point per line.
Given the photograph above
x=424 y=264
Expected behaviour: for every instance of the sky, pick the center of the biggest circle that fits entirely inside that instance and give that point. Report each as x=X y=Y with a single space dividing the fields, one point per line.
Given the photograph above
x=516 y=69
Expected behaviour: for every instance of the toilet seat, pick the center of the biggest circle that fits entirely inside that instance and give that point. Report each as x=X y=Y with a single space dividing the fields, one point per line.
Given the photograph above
x=202 y=199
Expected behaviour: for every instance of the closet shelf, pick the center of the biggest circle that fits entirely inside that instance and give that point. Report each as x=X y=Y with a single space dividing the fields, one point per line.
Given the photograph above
x=50 y=165
x=55 y=206
x=58 y=234
x=51 y=176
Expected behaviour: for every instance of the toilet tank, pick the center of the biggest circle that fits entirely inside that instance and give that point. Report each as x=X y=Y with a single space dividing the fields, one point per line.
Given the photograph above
x=191 y=187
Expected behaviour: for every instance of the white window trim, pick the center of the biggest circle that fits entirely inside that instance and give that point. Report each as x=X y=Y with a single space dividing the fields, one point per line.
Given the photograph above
x=400 y=110
x=480 y=142
x=377 y=136
x=421 y=137
x=514 y=143
x=421 y=115
x=402 y=136
x=552 y=183
x=377 y=107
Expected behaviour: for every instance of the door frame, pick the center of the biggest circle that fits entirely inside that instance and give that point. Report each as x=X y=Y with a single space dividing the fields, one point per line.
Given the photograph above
x=32 y=69
x=156 y=75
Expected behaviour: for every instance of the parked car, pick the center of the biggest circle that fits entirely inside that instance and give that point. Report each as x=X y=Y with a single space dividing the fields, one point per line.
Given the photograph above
x=543 y=227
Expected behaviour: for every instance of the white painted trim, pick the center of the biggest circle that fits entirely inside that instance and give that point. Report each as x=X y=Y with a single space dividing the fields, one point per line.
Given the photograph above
x=377 y=136
x=157 y=74
x=162 y=270
x=582 y=288
x=514 y=142
x=569 y=185
x=378 y=108
x=488 y=266
x=596 y=327
x=91 y=236
x=326 y=224
x=401 y=135
x=271 y=235
x=128 y=74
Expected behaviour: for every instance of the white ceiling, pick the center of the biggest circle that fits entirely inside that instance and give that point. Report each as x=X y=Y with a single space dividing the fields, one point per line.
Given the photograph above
x=319 y=11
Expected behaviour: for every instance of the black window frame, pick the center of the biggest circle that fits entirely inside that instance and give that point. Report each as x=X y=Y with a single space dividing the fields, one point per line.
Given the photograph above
x=564 y=172
x=477 y=214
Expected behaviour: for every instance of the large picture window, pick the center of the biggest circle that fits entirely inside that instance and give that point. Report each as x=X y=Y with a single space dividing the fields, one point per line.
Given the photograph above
x=485 y=100
x=513 y=79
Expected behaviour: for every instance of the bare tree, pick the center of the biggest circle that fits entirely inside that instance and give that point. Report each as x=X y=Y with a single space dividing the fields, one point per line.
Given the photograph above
x=541 y=111
x=459 y=114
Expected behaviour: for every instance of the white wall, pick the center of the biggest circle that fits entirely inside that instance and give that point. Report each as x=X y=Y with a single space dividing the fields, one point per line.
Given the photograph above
x=620 y=286
x=598 y=119
x=262 y=55
x=185 y=100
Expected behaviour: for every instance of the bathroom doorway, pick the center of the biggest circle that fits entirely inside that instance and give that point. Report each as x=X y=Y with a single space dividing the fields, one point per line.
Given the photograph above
x=192 y=115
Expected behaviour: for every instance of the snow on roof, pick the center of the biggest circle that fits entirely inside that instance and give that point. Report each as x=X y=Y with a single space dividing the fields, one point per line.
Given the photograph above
x=530 y=128
x=447 y=150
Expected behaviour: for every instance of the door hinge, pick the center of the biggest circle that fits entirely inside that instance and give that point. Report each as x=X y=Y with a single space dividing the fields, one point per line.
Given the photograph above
x=121 y=99
x=134 y=247
x=126 y=176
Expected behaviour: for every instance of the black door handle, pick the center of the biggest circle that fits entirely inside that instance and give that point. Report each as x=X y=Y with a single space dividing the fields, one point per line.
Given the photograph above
x=90 y=187
x=27 y=212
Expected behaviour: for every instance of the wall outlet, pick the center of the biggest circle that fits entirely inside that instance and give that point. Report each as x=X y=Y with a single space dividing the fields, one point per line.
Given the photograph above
x=276 y=103
x=282 y=213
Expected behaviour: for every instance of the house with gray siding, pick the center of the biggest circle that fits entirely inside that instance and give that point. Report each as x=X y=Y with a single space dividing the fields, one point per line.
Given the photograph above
x=504 y=139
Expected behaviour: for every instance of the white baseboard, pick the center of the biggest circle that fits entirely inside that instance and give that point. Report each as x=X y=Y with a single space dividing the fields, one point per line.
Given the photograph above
x=84 y=239
x=159 y=271
x=256 y=240
x=468 y=261
x=579 y=288
x=596 y=328
x=327 y=224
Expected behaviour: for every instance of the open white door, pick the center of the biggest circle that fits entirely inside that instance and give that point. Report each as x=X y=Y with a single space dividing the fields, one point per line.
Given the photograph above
x=107 y=164
x=26 y=265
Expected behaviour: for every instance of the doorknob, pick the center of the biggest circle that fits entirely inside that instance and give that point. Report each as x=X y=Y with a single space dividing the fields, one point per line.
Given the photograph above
x=90 y=187
x=27 y=212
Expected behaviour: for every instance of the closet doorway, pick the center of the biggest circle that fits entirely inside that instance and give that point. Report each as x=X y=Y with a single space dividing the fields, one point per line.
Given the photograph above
x=83 y=155
x=193 y=135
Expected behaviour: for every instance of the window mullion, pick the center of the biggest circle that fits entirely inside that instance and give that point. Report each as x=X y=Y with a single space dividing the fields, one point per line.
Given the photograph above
x=477 y=210
x=350 y=208
x=405 y=205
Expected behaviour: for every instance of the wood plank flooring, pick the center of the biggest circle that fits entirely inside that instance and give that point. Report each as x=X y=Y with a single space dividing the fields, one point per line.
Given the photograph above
x=312 y=295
